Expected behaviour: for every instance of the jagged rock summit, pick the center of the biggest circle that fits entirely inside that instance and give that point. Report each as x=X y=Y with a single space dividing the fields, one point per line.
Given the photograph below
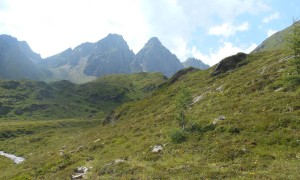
x=154 y=57
x=110 y=55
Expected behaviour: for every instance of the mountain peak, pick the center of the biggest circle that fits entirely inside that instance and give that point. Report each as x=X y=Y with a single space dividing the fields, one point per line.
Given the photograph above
x=114 y=38
x=153 y=41
x=154 y=57
x=112 y=41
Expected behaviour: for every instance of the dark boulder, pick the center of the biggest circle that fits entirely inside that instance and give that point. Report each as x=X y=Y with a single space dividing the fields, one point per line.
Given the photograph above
x=19 y=111
x=4 y=110
x=230 y=63
x=181 y=73
x=35 y=107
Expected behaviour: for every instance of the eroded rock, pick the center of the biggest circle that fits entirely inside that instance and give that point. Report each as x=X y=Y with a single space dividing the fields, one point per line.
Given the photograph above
x=157 y=149
x=221 y=118
x=80 y=172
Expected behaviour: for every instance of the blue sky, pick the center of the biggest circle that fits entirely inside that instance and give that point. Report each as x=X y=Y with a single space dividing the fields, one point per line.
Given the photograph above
x=206 y=29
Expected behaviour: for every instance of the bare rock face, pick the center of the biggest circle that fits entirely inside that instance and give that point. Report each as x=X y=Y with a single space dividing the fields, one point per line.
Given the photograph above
x=230 y=63
x=154 y=57
x=157 y=149
x=110 y=55
x=80 y=173
x=221 y=118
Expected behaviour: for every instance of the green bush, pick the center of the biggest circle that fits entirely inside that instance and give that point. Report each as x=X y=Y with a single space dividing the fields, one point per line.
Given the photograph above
x=178 y=136
x=209 y=127
x=234 y=130
x=194 y=128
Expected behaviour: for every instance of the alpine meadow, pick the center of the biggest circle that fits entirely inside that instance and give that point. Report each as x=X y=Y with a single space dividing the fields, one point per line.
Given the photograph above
x=102 y=111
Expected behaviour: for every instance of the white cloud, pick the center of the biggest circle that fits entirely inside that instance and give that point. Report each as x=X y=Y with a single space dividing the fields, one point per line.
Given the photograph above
x=271 y=17
x=51 y=26
x=215 y=55
x=175 y=22
x=271 y=32
x=227 y=49
x=227 y=30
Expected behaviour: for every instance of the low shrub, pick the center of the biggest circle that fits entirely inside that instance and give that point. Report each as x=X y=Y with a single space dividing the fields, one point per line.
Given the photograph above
x=178 y=136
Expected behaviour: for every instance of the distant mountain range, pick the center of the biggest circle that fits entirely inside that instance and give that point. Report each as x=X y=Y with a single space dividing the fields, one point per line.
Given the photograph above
x=193 y=62
x=86 y=62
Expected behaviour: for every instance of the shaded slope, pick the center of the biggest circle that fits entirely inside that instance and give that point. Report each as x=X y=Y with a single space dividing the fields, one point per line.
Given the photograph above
x=30 y=99
x=17 y=60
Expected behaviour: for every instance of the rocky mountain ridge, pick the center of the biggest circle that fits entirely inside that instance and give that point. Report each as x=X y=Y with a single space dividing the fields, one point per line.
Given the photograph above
x=86 y=62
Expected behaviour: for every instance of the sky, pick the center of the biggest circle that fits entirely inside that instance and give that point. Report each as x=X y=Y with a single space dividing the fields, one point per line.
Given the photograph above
x=209 y=30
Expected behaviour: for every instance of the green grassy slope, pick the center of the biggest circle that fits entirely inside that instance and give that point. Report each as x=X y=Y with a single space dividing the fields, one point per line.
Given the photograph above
x=275 y=42
x=259 y=138
x=35 y=100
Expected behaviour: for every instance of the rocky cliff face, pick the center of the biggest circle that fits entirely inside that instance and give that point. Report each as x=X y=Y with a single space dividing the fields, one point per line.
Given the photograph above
x=110 y=55
x=154 y=57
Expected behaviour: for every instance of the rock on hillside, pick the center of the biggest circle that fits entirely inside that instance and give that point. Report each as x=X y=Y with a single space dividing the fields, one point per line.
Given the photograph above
x=154 y=57
x=196 y=63
x=230 y=63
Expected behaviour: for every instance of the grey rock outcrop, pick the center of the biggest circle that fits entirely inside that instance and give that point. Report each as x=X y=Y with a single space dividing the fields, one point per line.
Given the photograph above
x=221 y=118
x=157 y=149
x=230 y=63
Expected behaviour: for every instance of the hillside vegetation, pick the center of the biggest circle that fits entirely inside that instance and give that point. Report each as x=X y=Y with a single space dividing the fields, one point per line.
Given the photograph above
x=63 y=99
x=244 y=123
